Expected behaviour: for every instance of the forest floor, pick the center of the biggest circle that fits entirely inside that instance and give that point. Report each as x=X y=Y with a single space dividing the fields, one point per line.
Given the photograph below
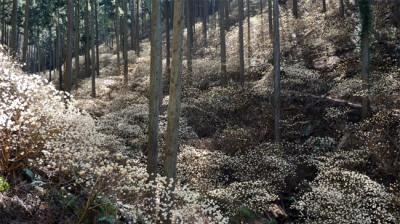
x=226 y=138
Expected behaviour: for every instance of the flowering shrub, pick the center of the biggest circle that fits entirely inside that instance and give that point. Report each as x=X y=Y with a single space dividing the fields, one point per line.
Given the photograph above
x=341 y=196
x=42 y=129
x=255 y=195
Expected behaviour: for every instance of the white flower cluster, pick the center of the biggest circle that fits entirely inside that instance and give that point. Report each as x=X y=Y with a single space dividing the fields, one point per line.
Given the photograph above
x=40 y=127
x=341 y=196
x=255 y=195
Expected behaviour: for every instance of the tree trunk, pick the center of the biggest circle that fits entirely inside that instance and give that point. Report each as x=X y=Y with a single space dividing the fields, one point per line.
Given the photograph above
x=174 y=105
x=342 y=11
x=249 y=53
x=133 y=36
x=70 y=25
x=205 y=16
x=124 y=32
x=87 y=40
x=97 y=38
x=241 y=43
x=189 y=38
x=295 y=9
x=137 y=29
x=92 y=46
x=270 y=22
x=77 y=37
x=222 y=28
x=366 y=28
x=117 y=36
x=323 y=6
x=14 y=33
x=167 y=39
x=26 y=31
x=277 y=74
x=155 y=87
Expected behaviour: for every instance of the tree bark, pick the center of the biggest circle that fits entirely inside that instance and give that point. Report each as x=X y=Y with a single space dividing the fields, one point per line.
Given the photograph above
x=295 y=9
x=167 y=38
x=124 y=32
x=249 y=53
x=68 y=72
x=222 y=28
x=92 y=46
x=241 y=43
x=155 y=88
x=277 y=74
x=14 y=29
x=270 y=22
x=174 y=105
x=189 y=38
x=26 y=31
x=342 y=11
x=77 y=37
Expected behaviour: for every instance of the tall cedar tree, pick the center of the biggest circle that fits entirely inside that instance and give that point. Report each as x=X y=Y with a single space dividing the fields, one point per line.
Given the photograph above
x=277 y=74
x=174 y=105
x=155 y=87
x=366 y=29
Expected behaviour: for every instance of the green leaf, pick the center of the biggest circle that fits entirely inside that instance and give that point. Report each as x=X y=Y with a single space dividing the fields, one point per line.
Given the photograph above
x=4 y=186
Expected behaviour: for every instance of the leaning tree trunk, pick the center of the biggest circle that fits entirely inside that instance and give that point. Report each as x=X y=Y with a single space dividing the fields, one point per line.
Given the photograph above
x=155 y=88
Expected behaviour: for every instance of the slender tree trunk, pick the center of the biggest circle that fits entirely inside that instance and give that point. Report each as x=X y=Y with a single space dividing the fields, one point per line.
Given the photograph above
x=14 y=33
x=222 y=28
x=77 y=38
x=124 y=32
x=249 y=53
x=366 y=28
x=342 y=10
x=227 y=10
x=117 y=37
x=167 y=39
x=138 y=28
x=133 y=36
x=277 y=74
x=97 y=38
x=323 y=6
x=155 y=87
x=70 y=25
x=241 y=43
x=92 y=46
x=295 y=9
x=270 y=22
x=174 y=105
x=26 y=31
x=189 y=39
x=205 y=17
x=87 y=40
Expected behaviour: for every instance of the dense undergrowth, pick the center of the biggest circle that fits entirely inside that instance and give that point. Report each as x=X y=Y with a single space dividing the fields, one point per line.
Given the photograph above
x=64 y=164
